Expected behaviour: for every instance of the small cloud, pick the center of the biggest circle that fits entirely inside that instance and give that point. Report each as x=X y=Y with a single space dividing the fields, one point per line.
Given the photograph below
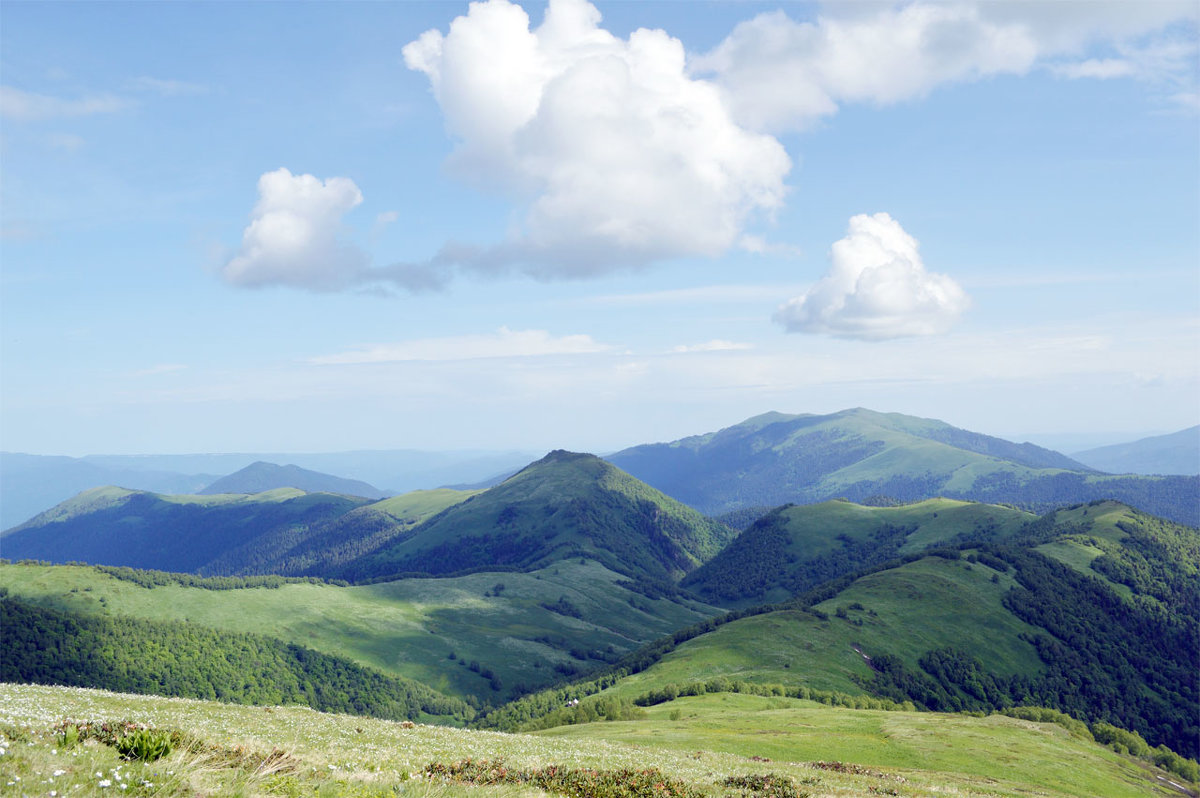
x=162 y=368
x=715 y=345
x=757 y=245
x=383 y=221
x=292 y=238
x=165 y=88
x=876 y=288
x=1099 y=68
x=67 y=142
x=25 y=106
x=503 y=343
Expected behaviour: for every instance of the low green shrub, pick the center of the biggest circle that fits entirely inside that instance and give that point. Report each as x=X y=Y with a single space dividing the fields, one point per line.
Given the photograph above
x=145 y=744
x=575 y=782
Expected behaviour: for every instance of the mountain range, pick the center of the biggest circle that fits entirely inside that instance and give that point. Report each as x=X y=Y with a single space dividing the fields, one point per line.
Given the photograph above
x=575 y=580
x=1177 y=453
x=862 y=455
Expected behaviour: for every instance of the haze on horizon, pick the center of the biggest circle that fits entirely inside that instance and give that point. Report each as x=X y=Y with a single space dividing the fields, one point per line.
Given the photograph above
x=566 y=225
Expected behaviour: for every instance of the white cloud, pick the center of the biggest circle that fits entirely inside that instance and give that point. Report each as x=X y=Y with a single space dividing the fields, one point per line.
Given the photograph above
x=617 y=156
x=715 y=345
x=876 y=288
x=778 y=74
x=504 y=343
x=1101 y=68
x=292 y=238
x=166 y=88
x=67 y=142
x=26 y=106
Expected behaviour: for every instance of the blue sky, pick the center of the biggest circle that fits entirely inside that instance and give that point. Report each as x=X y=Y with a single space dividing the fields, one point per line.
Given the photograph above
x=332 y=226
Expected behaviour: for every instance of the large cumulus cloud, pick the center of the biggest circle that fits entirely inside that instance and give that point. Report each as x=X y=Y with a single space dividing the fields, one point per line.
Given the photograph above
x=876 y=288
x=617 y=156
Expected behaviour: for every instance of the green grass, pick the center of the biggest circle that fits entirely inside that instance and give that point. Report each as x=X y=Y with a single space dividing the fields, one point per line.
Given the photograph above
x=408 y=627
x=794 y=548
x=958 y=753
x=418 y=505
x=714 y=737
x=906 y=611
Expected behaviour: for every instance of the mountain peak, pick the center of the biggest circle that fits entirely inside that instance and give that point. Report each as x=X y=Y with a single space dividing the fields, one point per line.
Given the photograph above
x=263 y=476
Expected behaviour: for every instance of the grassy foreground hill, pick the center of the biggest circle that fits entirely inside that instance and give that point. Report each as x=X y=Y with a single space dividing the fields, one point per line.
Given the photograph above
x=857 y=454
x=721 y=745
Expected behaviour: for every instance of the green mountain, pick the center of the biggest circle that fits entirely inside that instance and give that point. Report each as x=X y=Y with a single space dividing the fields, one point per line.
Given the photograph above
x=1094 y=611
x=565 y=505
x=115 y=526
x=795 y=548
x=260 y=476
x=859 y=454
x=1177 y=453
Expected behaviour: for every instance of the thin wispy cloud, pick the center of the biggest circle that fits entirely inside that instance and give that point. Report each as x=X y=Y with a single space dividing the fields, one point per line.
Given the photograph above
x=25 y=106
x=504 y=343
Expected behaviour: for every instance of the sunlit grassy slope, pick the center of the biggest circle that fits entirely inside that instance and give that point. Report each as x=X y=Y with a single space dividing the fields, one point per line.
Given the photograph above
x=905 y=611
x=713 y=737
x=794 y=548
x=409 y=627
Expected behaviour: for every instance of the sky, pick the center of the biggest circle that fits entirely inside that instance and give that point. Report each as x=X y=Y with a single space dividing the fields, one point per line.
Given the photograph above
x=247 y=226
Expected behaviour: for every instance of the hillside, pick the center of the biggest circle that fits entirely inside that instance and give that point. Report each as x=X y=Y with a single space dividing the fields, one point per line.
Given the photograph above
x=1177 y=453
x=859 y=454
x=486 y=636
x=1092 y=610
x=719 y=745
x=115 y=526
x=46 y=646
x=563 y=506
x=31 y=484
x=796 y=548
x=260 y=476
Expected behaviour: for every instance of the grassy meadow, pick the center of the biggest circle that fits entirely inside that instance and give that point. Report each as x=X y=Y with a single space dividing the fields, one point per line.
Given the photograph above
x=825 y=751
x=408 y=627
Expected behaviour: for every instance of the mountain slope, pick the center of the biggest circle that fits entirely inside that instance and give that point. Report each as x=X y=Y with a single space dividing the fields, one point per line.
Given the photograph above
x=261 y=476
x=508 y=632
x=114 y=526
x=795 y=548
x=1177 y=453
x=30 y=484
x=1093 y=610
x=775 y=458
x=564 y=505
